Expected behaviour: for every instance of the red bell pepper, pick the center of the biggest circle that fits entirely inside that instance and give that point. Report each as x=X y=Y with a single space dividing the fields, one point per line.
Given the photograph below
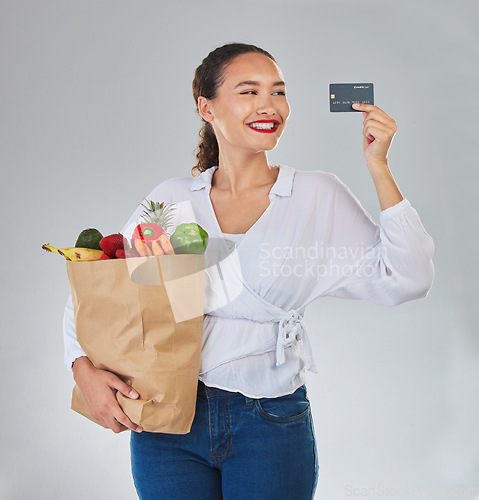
x=146 y=233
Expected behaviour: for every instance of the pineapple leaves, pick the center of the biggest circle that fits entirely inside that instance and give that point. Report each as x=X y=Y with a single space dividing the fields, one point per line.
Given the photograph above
x=159 y=213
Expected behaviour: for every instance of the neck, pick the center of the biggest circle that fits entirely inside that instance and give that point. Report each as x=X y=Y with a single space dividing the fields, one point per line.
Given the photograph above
x=238 y=174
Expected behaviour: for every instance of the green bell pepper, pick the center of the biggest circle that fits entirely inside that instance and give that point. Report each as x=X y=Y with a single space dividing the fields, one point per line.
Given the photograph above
x=189 y=238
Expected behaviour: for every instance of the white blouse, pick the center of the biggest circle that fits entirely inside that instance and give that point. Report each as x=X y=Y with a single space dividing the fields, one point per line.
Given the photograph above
x=313 y=240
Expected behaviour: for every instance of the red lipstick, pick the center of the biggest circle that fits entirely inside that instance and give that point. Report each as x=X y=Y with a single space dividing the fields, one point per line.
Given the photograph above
x=264 y=130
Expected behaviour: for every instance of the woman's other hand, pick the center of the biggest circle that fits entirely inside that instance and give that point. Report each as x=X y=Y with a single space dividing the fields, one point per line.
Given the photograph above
x=98 y=388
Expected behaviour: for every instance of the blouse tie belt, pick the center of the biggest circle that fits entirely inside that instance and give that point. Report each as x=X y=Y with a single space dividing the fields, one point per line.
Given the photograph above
x=292 y=329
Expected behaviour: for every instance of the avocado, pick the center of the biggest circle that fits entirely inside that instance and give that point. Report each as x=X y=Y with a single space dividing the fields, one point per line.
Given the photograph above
x=89 y=238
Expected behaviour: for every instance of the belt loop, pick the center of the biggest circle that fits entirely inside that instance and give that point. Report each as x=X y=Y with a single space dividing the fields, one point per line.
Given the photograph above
x=249 y=401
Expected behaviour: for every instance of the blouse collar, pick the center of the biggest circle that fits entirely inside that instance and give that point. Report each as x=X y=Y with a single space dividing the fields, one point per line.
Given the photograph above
x=282 y=187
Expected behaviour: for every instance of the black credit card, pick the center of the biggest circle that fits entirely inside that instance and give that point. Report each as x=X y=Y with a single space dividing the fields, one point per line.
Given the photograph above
x=343 y=95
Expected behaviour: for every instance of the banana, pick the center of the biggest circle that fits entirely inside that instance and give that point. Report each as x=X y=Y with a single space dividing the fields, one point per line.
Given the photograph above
x=76 y=254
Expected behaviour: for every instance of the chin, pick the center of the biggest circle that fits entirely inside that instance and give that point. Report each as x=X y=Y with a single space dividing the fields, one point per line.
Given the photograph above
x=264 y=147
x=269 y=148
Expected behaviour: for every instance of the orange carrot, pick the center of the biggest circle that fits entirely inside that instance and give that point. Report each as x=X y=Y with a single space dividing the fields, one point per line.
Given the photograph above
x=156 y=248
x=142 y=248
x=166 y=245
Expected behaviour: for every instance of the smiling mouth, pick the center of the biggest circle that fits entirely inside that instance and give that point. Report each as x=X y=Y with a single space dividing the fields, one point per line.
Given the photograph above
x=264 y=126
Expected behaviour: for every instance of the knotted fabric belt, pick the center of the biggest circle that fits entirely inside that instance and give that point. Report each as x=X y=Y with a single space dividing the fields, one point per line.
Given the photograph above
x=291 y=330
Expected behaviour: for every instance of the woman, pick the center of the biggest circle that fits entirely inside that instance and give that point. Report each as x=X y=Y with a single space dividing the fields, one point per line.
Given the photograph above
x=298 y=236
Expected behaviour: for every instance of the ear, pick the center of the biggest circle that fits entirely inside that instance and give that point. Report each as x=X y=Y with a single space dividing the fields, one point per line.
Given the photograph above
x=205 y=108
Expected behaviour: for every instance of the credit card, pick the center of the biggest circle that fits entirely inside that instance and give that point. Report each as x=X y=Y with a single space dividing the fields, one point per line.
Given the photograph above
x=343 y=95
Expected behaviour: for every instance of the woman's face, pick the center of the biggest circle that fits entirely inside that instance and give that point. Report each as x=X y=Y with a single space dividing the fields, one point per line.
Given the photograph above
x=250 y=110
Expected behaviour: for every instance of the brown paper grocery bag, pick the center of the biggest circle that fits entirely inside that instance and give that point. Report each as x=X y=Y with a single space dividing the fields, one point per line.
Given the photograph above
x=142 y=318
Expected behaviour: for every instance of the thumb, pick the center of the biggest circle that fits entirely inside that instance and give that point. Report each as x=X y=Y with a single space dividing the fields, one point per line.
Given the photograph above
x=124 y=388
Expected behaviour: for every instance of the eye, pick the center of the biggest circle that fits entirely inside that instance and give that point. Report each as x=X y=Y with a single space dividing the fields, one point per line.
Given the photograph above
x=280 y=92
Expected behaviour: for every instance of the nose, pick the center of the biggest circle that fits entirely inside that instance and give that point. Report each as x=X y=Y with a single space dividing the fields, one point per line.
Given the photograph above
x=265 y=106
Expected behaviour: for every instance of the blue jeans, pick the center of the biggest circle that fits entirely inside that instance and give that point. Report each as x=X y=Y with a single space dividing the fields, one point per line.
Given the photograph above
x=238 y=448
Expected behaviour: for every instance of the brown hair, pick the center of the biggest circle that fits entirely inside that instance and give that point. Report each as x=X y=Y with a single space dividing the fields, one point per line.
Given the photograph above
x=208 y=77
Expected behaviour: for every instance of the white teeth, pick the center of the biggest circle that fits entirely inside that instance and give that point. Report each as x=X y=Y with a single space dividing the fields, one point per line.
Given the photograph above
x=269 y=126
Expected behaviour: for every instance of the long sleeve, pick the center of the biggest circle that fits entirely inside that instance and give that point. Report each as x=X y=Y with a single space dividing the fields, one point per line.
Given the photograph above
x=72 y=348
x=387 y=264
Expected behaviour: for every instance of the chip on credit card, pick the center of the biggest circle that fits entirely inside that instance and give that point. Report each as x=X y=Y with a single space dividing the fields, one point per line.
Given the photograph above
x=343 y=95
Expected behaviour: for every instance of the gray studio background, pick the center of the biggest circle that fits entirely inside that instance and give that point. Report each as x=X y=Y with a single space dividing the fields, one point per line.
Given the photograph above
x=96 y=110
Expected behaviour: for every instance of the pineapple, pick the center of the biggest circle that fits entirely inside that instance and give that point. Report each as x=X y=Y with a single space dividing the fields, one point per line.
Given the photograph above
x=159 y=213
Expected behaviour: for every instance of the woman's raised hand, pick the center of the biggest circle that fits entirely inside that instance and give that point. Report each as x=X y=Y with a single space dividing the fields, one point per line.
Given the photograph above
x=98 y=388
x=379 y=130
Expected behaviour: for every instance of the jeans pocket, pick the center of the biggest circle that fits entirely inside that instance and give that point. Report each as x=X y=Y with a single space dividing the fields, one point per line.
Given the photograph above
x=283 y=409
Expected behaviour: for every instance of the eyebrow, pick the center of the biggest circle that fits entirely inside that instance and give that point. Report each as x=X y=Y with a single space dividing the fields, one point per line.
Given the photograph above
x=254 y=82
